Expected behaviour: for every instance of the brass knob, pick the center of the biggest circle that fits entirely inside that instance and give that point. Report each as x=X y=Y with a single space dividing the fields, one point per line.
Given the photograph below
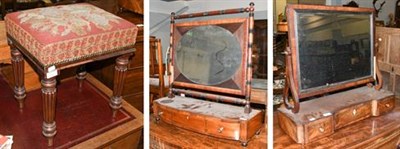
x=379 y=39
x=220 y=129
x=354 y=112
x=321 y=129
x=160 y=113
x=387 y=105
x=187 y=117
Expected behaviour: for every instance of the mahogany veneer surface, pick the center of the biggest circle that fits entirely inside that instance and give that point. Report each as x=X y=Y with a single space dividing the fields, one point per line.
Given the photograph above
x=166 y=136
x=79 y=115
x=259 y=91
x=374 y=132
x=321 y=116
x=335 y=102
x=210 y=118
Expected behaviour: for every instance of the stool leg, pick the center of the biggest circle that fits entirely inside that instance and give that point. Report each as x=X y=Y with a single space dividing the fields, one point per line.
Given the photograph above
x=121 y=67
x=17 y=61
x=81 y=76
x=49 y=108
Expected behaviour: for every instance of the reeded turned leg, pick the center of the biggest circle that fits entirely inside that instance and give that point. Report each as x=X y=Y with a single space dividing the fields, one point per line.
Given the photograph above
x=49 y=108
x=81 y=76
x=121 y=67
x=17 y=61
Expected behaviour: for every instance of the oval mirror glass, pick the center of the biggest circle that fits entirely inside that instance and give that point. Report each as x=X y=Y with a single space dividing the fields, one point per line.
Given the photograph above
x=208 y=55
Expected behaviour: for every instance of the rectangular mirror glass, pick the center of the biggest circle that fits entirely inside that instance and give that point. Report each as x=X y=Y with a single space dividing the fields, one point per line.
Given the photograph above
x=333 y=47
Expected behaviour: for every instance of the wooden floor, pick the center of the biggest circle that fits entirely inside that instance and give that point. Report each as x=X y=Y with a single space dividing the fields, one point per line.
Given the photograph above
x=163 y=135
x=79 y=118
x=365 y=133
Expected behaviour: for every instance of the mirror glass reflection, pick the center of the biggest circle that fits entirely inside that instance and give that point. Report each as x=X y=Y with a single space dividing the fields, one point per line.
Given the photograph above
x=333 y=47
x=208 y=55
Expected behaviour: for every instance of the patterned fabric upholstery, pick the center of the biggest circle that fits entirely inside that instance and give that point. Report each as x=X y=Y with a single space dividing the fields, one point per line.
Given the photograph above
x=60 y=34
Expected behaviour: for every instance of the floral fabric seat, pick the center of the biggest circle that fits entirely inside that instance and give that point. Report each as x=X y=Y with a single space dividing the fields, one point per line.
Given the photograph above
x=68 y=33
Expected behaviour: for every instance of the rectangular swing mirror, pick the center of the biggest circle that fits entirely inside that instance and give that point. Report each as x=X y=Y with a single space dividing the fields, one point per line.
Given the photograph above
x=332 y=48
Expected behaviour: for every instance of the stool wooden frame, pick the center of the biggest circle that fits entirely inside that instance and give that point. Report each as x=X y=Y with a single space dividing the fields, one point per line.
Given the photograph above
x=49 y=91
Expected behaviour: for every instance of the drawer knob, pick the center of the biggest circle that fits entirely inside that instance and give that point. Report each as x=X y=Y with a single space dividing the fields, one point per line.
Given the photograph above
x=187 y=117
x=160 y=113
x=220 y=129
x=354 y=112
x=387 y=105
x=321 y=129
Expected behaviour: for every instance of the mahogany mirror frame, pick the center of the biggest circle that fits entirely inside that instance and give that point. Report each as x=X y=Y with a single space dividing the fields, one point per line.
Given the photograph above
x=292 y=56
x=236 y=85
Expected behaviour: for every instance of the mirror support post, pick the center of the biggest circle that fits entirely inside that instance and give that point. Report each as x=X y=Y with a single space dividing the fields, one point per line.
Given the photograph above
x=294 y=106
x=171 y=56
x=378 y=74
x=249 y=77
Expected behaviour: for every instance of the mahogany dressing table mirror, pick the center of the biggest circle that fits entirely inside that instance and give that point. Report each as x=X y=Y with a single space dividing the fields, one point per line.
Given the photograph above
x=210 y=76
x=330 y=67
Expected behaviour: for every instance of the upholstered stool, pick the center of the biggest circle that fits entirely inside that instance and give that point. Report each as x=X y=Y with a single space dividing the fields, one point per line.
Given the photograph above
x=60 y=37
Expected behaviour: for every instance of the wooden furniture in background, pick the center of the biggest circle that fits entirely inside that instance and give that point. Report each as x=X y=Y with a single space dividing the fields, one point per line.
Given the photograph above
x=165 y=136
x=158 y=84
x=260 y=50
x=259 y=91
x=388 y=57
x=259 y=82
x=17 y=5
x=280 y=44
x=131 y=5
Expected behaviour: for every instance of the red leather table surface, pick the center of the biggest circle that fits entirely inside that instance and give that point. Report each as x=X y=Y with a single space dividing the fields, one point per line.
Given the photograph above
x=79 y=116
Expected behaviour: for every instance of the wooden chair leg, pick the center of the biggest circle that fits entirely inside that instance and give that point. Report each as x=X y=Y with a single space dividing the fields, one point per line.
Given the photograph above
x=17 y=61
x=81 y=76
x=121 y=67
x=49 y=108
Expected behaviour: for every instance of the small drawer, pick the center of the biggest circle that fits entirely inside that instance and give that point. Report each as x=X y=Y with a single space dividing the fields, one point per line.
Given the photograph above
x=385 y=105
x=189 y=121
x=223 y=129
x=164 y=113
x=318 y=129
x=352 y=114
